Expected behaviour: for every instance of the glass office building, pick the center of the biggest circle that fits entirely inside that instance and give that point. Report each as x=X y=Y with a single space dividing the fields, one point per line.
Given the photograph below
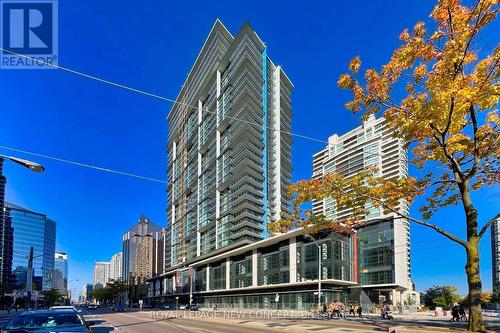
x=32 y=229
x=6 y=234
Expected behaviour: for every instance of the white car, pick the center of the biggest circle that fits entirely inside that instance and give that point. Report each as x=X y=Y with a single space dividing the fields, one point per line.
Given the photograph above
x=64 y=307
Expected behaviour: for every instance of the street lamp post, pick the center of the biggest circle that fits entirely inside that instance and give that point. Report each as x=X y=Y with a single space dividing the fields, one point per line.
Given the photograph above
x=33 y=166
x=319 y=267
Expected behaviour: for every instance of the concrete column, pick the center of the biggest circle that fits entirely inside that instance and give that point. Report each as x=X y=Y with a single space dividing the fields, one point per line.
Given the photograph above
x=293 y=260
x=208 y=277
x=255 y=268
x=228 y=273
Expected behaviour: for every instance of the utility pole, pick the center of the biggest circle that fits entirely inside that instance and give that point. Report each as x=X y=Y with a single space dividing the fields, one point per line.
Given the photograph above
x=29 y=277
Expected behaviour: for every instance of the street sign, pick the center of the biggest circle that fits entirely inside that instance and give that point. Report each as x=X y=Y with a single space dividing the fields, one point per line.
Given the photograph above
x=140 y=301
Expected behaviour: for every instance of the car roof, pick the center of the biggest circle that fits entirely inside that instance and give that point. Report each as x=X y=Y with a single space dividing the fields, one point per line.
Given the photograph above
x=53 y=311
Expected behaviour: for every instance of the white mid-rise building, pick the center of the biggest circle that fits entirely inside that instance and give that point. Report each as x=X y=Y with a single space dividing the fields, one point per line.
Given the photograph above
x=115 y=272
x=383 y=240
x=101 y=273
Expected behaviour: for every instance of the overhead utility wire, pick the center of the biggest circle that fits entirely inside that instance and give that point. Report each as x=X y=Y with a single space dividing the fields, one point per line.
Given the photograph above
x=139 y=91
x=85 y=165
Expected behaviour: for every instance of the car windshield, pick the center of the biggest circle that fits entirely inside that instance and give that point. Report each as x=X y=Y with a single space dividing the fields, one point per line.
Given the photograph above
x=45 y=320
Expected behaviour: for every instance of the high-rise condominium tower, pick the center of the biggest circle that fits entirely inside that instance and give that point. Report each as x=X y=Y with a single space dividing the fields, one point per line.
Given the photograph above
x=229 y=151
x=383 y=240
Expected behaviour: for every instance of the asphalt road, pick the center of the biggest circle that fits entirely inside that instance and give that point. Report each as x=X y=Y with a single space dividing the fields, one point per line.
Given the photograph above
x=187 y=322
x=141 y=322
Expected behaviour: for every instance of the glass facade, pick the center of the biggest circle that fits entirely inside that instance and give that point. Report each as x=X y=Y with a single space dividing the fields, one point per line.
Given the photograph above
x=6 y=234
x=37 y=230
x=376 y=254
x=335 y=258
x=218 y=276
x=289 y=300
x=274 y=263
x=286 y=274
x=241 y=271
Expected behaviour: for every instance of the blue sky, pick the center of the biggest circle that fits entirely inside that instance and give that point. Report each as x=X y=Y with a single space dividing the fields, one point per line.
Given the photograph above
x=151 y=45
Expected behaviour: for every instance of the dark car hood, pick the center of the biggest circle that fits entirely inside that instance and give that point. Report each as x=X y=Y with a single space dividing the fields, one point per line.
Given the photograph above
x=79 y=329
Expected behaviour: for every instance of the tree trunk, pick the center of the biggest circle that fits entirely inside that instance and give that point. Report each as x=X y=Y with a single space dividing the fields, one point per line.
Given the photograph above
x=475 y=289
x=472 y=263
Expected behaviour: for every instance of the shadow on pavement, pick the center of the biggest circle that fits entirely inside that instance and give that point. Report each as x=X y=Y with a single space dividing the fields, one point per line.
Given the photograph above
x=146 y=322
x=102 y=329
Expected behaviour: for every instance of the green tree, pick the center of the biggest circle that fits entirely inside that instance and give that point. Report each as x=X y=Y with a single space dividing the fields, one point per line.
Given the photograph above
x=116 y=290
x=52 y=296
x=445 y=296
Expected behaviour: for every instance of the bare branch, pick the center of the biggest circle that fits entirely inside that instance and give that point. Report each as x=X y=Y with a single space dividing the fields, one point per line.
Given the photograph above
x=426 y=224
x=487 y=225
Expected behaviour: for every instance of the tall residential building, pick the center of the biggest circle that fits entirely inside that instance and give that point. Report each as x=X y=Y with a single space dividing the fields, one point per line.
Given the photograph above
x=37 y=230
x=133 y=254
x=61 y=272
x=6 y=235
x=115 y=272
x=229 y=148
x=383 y=241
x=145 y=258
x=495 y=252
x=101 y=273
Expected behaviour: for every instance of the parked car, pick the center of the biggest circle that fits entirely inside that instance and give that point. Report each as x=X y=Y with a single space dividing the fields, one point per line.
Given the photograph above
x=167 y=306
x=191 y=307
x=91 y=306
x=118 y=308
x=64 y=307
x=48 y=321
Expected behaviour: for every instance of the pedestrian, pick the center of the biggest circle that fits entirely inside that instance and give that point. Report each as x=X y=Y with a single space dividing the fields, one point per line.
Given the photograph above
x=462 y=314
x=360 y=311
x=351 y=311
x=455 y=316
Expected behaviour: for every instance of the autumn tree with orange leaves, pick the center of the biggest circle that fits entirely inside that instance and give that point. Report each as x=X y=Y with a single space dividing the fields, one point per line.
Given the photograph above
x=447 y=118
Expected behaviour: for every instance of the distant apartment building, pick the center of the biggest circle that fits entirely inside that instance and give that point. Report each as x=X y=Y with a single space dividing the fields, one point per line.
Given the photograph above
x=60 y=275
x=101 y=273
x=229 y=147
x=6 y=235
x=32 y=229
x=137 y=254
x=495 y=252
x=383 y=240
x=115 y=272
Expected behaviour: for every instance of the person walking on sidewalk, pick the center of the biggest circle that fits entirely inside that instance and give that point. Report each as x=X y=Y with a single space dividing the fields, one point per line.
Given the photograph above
x=360 y=311
x=351 y=311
